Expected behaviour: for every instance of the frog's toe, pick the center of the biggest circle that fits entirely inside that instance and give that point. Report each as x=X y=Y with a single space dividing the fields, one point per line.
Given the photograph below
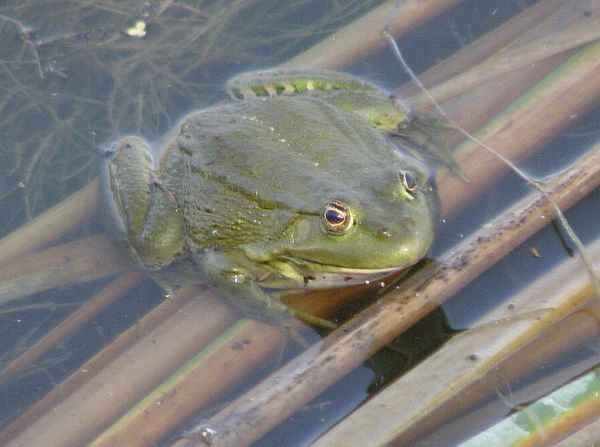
x=314 y=320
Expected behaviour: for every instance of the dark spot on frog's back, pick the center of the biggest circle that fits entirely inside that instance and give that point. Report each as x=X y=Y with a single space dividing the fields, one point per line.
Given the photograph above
x=185 y=150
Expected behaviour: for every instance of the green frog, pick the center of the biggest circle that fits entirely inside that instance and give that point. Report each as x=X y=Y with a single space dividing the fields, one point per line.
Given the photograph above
x=307 y=179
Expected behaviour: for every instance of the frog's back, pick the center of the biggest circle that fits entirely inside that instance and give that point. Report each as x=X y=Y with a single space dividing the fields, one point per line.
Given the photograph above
x=252 y=167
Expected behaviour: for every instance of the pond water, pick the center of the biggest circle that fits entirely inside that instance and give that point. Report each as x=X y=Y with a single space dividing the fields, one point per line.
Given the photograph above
x=75 y=76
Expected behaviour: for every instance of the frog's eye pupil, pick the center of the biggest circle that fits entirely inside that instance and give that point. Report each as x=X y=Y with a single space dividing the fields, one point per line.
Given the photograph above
x=409 y=183
x=337 y=217
x=334 y=217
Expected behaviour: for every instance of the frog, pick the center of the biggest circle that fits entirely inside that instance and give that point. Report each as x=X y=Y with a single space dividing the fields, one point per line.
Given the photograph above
x=305 y=179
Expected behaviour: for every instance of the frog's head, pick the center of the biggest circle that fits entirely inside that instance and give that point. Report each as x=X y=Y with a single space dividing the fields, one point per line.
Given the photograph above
x=382 y=227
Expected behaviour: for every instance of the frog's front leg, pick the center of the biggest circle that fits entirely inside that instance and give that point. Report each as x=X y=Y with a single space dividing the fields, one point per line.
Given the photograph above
x=241 y=288
x=145 y=213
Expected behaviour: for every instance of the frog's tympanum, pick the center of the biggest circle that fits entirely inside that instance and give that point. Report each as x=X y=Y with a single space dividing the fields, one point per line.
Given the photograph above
x=307 y=179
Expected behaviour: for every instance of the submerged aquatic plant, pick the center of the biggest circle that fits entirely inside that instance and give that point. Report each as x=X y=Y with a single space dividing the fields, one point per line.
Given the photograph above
x=73 y=75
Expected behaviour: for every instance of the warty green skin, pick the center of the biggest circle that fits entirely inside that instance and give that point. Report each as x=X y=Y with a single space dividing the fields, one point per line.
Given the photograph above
x=238 y=199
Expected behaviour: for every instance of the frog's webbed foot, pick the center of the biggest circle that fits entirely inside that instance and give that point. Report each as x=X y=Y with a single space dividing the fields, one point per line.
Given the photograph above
x=242 y=290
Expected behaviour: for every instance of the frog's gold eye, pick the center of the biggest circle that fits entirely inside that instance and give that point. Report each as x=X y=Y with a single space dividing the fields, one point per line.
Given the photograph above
x=336 y=217
x=409 y=183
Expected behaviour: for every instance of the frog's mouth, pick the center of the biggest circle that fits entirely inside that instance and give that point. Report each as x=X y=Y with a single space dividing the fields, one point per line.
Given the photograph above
x=323 y=276
x=348 y=277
